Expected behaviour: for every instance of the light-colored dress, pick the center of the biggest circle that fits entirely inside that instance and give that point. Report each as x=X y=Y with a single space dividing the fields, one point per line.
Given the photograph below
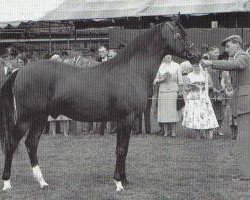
x=168 y=93
x=198 y=111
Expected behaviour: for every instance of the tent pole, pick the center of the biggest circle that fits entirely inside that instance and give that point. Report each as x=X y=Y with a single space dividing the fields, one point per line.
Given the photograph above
x=236 y=23
x=75 y=31
x=50 y=50
x=237 y=27
x=242 y=29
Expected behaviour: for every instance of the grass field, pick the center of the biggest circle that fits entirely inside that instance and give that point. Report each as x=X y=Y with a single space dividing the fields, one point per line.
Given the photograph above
x=81 y=167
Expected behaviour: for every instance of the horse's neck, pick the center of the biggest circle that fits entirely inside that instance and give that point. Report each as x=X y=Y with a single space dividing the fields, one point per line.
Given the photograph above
x=149 y=56
x=145 y=66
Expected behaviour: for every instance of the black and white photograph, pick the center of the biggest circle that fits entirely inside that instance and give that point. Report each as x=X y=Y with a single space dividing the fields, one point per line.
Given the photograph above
x=125 y=99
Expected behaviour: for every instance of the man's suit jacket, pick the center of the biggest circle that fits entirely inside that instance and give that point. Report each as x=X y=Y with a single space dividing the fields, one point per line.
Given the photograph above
x=81 y=62
x=240 y=64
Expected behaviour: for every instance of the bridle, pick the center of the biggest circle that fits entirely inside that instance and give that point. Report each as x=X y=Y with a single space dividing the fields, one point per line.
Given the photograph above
x=178 y=36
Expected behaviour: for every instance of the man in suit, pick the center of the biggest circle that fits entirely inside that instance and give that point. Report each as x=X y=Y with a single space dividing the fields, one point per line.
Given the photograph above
x=217 y=94
x=241 y=64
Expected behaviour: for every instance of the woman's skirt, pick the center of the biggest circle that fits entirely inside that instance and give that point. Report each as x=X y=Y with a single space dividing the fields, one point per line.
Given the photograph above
x=167 y=107
x=199 y=114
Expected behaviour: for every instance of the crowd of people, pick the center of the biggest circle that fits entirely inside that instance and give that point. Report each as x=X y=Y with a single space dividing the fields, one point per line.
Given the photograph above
x=13 y=58
x=207 y=93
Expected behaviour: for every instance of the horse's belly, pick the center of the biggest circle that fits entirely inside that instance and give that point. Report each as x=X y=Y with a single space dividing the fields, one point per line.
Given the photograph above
x=94 y=111
x=83 y=110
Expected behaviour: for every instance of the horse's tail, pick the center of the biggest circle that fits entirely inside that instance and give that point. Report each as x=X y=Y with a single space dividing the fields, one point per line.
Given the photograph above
x=8 y=114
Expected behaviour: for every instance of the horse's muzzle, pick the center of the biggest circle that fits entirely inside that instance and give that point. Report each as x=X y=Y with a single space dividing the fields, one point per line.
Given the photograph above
x=192 y=54
x=193 y=58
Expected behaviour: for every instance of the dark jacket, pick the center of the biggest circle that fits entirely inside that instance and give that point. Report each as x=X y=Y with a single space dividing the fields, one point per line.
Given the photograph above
x=240 y=64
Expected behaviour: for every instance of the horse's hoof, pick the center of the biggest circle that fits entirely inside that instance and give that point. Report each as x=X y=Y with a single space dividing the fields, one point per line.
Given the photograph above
x=119 y=186
x=6 y=185
x=44 y=185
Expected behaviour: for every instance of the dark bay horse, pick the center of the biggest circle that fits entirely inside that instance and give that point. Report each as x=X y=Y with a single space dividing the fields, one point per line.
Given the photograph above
x=112 y=91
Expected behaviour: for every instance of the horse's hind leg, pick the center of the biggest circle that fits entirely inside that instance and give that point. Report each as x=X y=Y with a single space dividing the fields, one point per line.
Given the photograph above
x=123 y=136
x=31 y=143
x=10 y=146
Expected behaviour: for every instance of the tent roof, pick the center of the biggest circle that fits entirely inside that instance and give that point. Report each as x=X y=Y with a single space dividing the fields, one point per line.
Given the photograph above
x=101 y=9
x=25 y=10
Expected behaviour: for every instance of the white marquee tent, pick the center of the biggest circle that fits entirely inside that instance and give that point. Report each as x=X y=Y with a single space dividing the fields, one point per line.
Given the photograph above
x=25 y=10
x=101 y=9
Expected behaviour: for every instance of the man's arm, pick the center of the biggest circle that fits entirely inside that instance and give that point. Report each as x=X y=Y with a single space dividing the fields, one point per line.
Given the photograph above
x=240 y=63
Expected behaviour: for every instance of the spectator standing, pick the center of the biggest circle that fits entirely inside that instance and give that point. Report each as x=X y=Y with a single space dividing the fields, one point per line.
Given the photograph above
x=217 y=94
x=186 y=68
x=103 y=54
x=198 y=111
x=205 y=51
x=169 y=78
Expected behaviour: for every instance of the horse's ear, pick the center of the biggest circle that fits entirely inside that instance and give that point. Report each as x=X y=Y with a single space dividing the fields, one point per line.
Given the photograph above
x=176 y=18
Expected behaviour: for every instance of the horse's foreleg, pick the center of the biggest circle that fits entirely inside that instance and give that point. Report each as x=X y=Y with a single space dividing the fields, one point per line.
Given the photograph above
x=9 y=151
x=11 y=144
x=31 y=143
x=123 y=136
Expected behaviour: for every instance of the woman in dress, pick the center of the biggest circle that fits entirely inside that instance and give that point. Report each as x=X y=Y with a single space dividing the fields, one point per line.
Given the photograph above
x=198 y=113
x=169 y=78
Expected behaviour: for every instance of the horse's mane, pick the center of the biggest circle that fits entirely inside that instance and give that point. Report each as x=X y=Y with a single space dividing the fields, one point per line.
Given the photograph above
x=139 y=43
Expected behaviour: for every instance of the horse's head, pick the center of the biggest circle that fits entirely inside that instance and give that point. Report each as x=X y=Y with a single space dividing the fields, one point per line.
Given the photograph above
x=176 y=40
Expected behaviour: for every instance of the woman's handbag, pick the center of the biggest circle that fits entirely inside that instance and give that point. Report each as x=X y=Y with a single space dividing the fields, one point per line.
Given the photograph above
x=180 y=101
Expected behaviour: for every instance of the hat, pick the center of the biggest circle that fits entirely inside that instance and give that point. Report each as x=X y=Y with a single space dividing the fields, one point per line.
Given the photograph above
x=235 y=38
